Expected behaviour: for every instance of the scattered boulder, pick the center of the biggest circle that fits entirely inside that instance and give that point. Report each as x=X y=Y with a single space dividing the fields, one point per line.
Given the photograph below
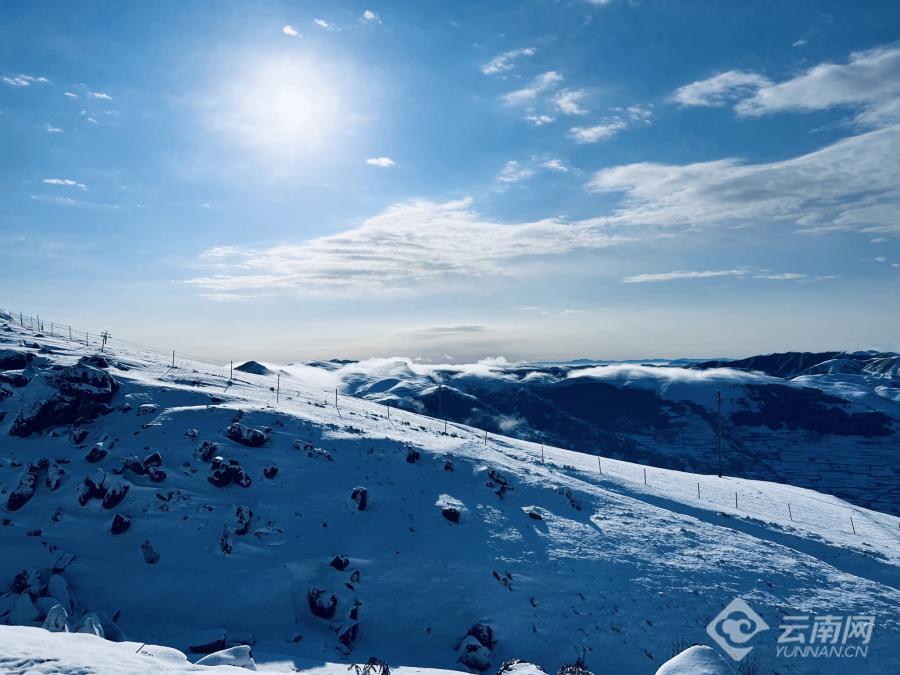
x=90 y=623
x=450 y=514
x=97 y=453
x=412 y=455
x=147 y=409
x=252 y=438
x=151 y=557
x=244 y=517
x=27 y=485
x=270 y=471
x=56 y=620
x=448 y=466
x=94 y=361
x=207 y=451
x=86 y=382
x=483 y=633
x=361 y=496
x=14 y=360
x=92 y=487
x=238 y=657
x=340 y=562
x=207 y=642
x=153 y=459
x=120 y=524
x=321 y=603
x=14 y=379
x=225 y=472
x=451 y=508
x=348 y=633
x=474 y=655
x=520 y=667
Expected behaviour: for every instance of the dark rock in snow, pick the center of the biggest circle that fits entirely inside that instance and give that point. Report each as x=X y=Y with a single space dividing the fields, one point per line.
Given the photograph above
x=120 y=524
x=208 y=642
x=94 y=361
x=27 y=485
x=484 y=633
x=340 y=562
x=412 y=456
x=225 y=542
x=225 y=472
x=252 y=438
x=13 y=360
x=115 y=494
x=155 y=474
x=55 y=474
x=473 y=655
x=348 y=633
x=207 y=451
x=450 y=513
x=153 y=459
x=86 y=382
x=322 y=604
x=151 y=557
x=78 y=436
x=534 y=515
x=96 y=453
x=14 y=379
x=244 y=517
x=270 y=471
x=92 y=487
x=448 y=466
x=361 y=496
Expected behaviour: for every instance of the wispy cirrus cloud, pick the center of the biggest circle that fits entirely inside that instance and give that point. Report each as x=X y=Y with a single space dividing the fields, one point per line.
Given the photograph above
x=64 y=182
x=540 y=84
x=852 y=184
x=383 y=162
x=621 y=119
x=569 y=101
x=403 y=249
x=325 y=25
x=506 y=61
x=290 y=31
x=23 y=80
x=868 y=81
x=683 y=274
x=719 y=89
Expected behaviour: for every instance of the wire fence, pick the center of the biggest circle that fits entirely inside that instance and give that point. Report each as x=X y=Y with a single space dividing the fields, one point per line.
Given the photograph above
x=801 y=510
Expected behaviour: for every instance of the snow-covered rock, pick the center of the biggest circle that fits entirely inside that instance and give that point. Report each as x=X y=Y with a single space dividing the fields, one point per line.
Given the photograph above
x=696 y=660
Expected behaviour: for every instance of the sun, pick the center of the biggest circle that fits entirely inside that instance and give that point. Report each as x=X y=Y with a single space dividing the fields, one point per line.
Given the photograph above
x=283 y=106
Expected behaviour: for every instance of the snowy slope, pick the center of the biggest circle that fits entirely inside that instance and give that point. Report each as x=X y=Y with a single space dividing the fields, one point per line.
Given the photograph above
x=556 y=557
x=824 y=428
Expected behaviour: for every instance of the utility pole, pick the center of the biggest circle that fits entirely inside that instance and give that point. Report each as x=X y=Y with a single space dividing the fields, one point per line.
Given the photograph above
x=719 y=430
x=173 y=358
x=231 y=372
x=105 y=336
x=278 y=388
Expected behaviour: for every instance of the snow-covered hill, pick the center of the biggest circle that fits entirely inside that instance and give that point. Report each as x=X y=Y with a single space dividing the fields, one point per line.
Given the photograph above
x=813 y=420
x=325 y=534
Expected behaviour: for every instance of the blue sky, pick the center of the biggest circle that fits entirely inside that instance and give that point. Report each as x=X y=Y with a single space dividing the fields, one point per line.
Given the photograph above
x=534 y=179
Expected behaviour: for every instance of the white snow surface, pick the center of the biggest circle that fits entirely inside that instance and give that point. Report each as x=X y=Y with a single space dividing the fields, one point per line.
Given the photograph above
x=613 y=569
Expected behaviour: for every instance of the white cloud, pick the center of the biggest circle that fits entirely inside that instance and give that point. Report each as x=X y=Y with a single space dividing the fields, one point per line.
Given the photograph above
x=674 y=276
x=652 y=374
x=52 y=129
x=402 y=249
x=623 y=118
x=543 y=82
x=781 y=276
x=100 y=95
x=326 y=25
x=568 y=101
x=290 y=30
x=369 y=16
x=540 y=120
x=598 y=132
x=852 y=184
x=555 y=165
x=514 y=171
x=504 y=62
x=799 y=43
x=91 y=120
x=869 y=79
x=64 y=182
x=719 y=89
x=70 y=94
x=384 y=162
x=23 y=80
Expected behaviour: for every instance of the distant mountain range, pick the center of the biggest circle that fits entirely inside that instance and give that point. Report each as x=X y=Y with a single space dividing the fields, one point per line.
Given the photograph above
x=828 y=420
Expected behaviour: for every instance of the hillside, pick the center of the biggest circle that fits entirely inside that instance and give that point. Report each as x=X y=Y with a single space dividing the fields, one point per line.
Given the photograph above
x=833 y=426
x=328 y=534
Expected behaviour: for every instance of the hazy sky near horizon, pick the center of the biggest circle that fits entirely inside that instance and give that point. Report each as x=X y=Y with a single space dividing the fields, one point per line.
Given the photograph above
x=455 y=180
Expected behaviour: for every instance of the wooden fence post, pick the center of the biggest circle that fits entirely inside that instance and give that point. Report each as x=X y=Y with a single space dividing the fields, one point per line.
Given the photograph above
x=852 y=525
